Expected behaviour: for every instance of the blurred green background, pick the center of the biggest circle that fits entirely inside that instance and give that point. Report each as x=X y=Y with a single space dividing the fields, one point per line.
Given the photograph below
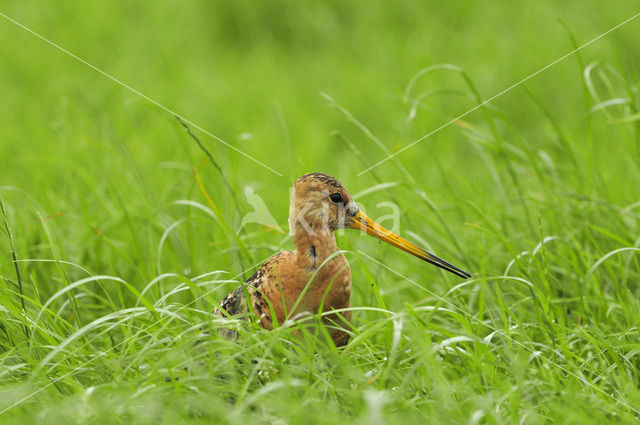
x=95 y=175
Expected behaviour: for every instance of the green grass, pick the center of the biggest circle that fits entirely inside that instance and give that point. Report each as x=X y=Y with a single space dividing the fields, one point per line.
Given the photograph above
x=122 y=258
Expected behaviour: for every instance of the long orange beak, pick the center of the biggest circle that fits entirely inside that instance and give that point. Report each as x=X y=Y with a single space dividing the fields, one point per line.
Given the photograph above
x=365 y=224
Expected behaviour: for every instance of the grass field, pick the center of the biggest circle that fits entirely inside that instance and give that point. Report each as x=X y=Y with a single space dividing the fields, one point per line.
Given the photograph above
x=121 y=257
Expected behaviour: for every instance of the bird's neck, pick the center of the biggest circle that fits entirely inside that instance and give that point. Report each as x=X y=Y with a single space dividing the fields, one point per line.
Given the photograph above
x=314 y=248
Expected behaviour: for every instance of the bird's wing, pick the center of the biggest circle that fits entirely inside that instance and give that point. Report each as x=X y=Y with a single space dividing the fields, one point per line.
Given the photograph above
x=236 y=301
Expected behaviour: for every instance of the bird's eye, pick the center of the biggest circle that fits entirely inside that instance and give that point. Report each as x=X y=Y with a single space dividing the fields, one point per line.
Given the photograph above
x=336 y=197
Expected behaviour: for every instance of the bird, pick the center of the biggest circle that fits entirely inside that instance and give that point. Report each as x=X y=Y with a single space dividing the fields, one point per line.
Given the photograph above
x=316 y=275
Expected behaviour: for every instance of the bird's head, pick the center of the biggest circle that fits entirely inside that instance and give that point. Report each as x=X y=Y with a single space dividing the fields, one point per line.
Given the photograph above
x=320 y=205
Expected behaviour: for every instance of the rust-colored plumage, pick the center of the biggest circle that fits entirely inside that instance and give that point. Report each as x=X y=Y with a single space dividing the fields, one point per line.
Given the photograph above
x=314 y=277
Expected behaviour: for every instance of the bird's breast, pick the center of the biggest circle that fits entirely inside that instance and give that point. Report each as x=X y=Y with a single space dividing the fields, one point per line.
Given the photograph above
x=329 y=286
x=323 y=286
